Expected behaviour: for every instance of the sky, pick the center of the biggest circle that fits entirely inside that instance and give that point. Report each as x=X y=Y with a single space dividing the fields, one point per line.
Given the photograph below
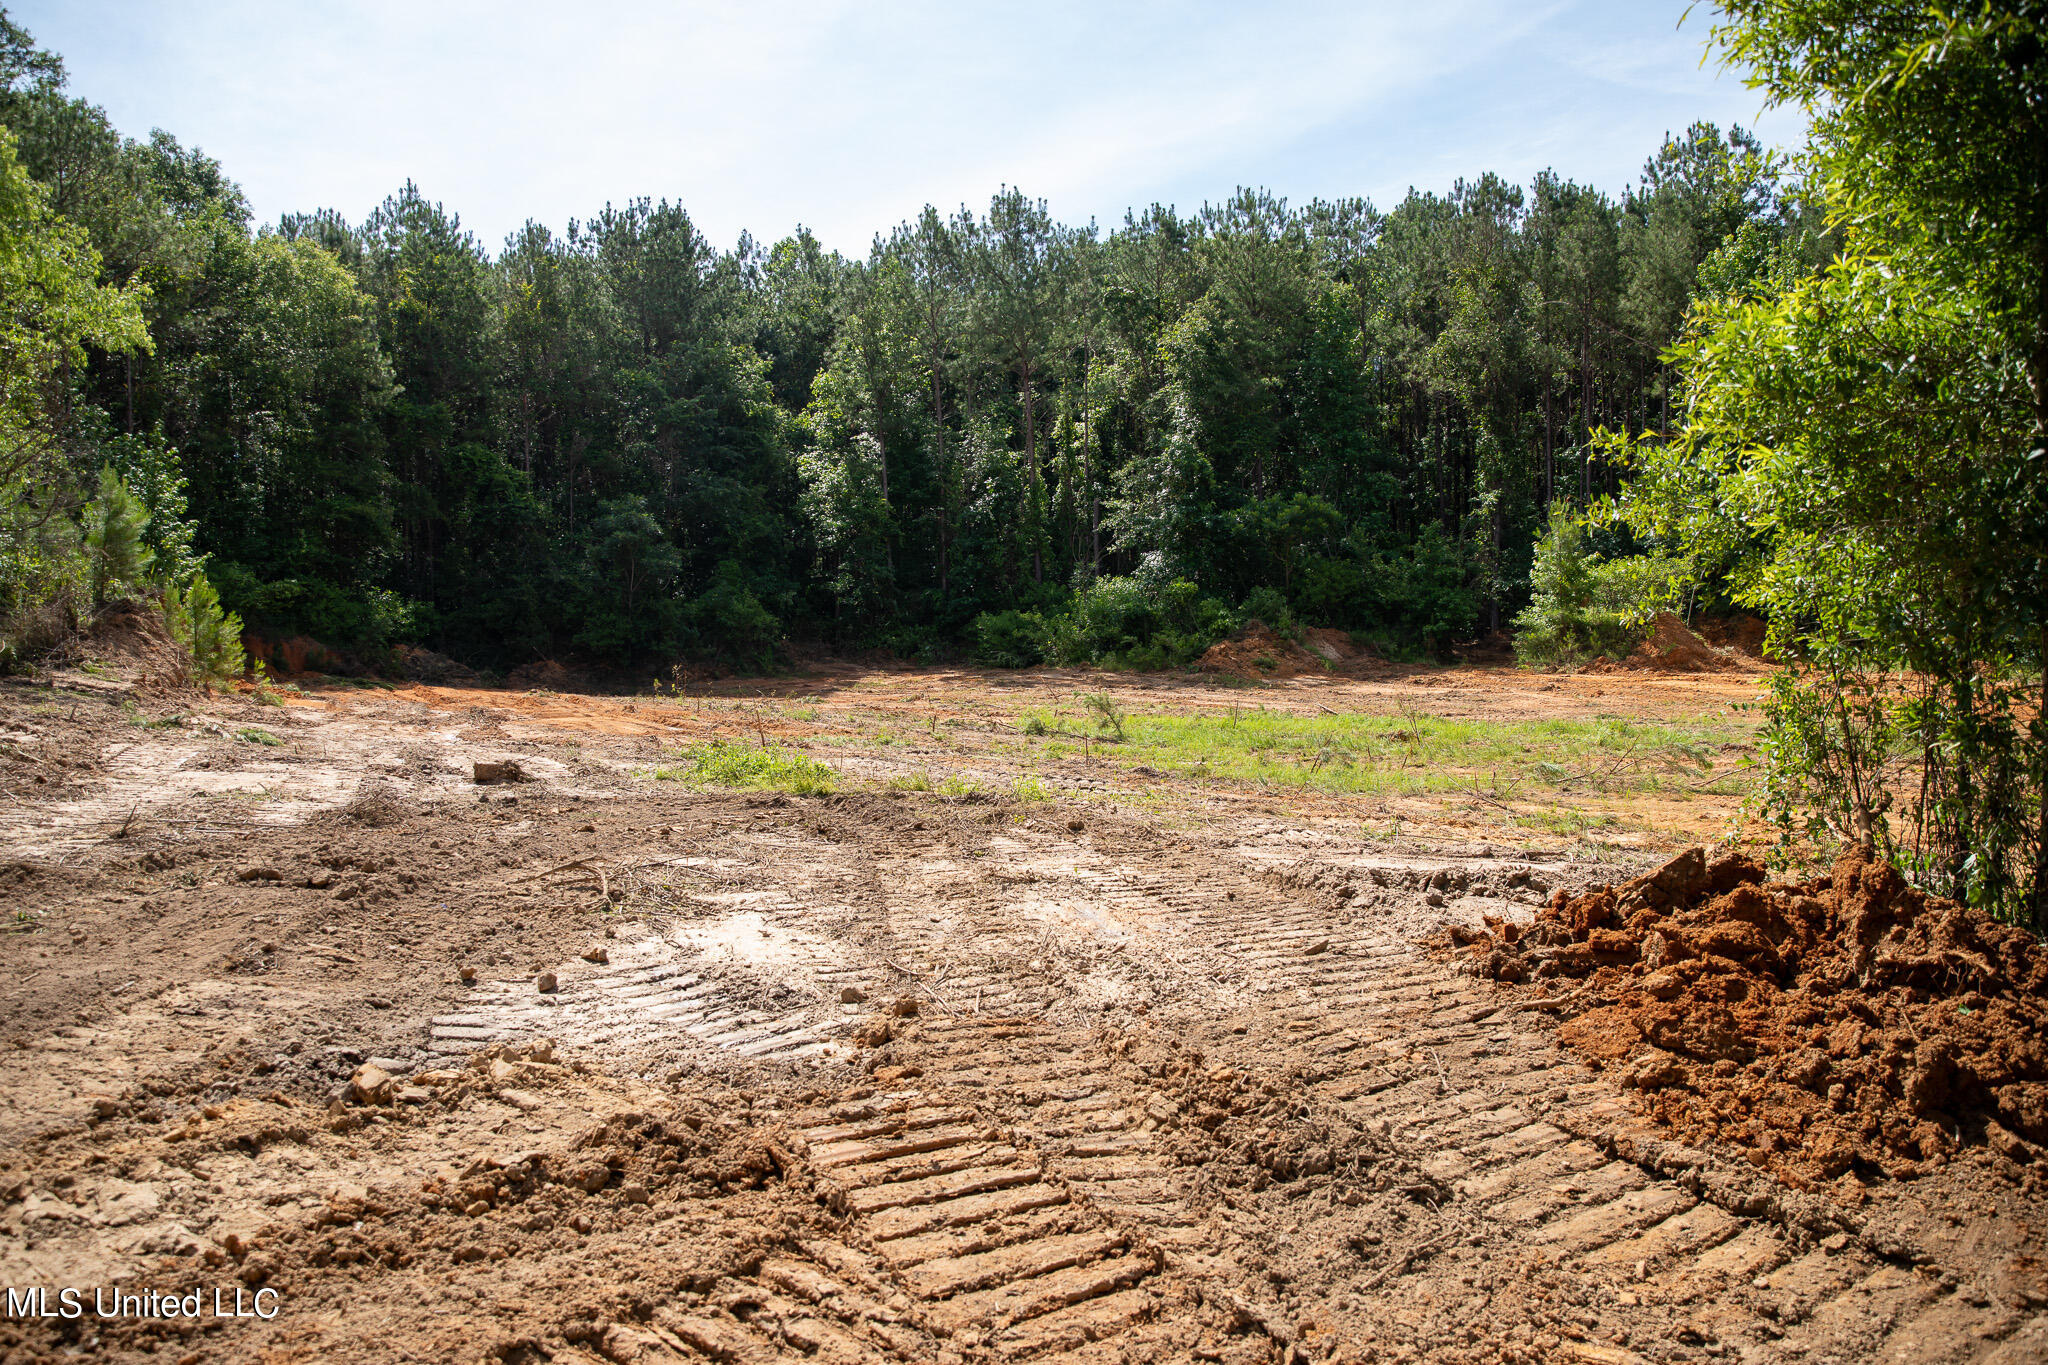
x=849 y=117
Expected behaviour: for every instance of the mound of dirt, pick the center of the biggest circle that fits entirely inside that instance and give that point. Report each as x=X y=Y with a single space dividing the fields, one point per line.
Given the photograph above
x=1847 y=1022
x=133 y=634
x=1670 y=647
x=1742 y=635
x=1258 y=651
x=424 y=665
x=1335 y=647
x=544 y=674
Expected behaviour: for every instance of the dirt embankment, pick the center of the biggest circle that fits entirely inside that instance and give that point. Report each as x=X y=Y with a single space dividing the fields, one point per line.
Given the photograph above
x=1847 y=1022
x=1259 y=651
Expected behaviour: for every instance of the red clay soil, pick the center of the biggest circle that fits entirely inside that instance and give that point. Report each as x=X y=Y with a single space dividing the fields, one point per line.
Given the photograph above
x=1257 y=651
x=1671 y=647
x=1847 y=1023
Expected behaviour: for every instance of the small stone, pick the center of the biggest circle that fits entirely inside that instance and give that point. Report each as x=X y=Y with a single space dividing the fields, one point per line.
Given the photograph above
x=468 y=974
x=490 y=774
x=1321 y=945
x=477 y=1209
x=633 y=1192
x=589 y=1178
x=545 y=983
x=413 y=1094
x=580 y=1223
x=1075 y=826
x=597 y=953
x=371 y=1084
x=259 y=874
x=1433 y=896
x=851 y=995
x=904 y=1007
x=1838 y=1242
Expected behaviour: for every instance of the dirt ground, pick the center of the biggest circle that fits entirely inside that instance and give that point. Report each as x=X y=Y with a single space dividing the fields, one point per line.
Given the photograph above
x=1116 y=1066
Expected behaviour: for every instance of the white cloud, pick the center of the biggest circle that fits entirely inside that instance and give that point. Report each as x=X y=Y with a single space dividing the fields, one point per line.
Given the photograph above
x=850 y=117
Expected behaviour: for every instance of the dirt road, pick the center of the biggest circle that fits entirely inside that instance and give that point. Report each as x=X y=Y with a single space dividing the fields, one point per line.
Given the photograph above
x=1123 y=1066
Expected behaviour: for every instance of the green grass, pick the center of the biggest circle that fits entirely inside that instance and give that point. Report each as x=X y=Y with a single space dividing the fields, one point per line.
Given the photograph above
x=724 y=764
x=1417 y=755
x=958 y=786
x=255 y=735
x=915 y=782
x=1030 y=789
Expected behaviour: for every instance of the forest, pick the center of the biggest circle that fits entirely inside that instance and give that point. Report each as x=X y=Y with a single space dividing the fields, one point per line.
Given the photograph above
x=1812 y=386
x=616 y=439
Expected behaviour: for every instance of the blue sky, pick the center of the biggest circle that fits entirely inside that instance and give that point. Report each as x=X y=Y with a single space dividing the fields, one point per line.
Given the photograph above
x=848 y=117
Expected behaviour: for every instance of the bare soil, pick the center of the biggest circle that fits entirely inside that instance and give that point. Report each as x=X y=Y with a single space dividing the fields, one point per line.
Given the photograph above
x=1152 y=1070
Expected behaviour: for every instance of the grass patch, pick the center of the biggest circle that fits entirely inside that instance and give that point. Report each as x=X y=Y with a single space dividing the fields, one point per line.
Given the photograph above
x=958 y=786
x=1412 y=754
x=915 y=782
x=724 y=764
x=1030 y=789
x=256 y=735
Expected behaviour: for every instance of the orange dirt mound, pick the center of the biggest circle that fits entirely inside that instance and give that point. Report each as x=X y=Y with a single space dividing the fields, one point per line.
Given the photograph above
x=134 y=633
x=1671 y=647
x=545 y=674
x=1258 y=652
x=1743 y=635
x=1847 y=1022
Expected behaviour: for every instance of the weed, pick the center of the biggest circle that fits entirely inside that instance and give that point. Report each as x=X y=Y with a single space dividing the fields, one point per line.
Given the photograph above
x=1030 y=789
x=724 y=764
x=958 y=786
x=254 y=735
x=1034 y=724
x=915 y=782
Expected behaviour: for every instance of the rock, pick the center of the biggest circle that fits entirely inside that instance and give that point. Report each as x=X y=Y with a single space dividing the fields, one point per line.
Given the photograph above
x=597 y=953
x=259 y=874
x=1433 y=896
x=413 y=1094
x=1321 y=945
x=371 y=1084
x=1663 y=985
x=468 y=974
x=633 y=1192
x=589 y=1177
x=491 y=774
x=904 y=1007
x=545 y=983
x=2007 y=1143
x=851 y=995
x=477 y=1208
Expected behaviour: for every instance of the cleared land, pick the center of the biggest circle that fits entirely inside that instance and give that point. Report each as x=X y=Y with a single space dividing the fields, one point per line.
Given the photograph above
x=898 y=1015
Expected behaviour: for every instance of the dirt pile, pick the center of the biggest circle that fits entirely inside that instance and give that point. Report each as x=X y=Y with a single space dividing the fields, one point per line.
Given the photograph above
x=1670 y=647
x=133 y=635
x=1848 y=1022
x=424 y=665
x=1258 y=651
x=1743 y=635
x=544 y=675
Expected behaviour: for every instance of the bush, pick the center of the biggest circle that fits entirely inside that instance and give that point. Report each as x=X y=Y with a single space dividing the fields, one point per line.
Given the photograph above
x=1581 y=606
x=1009 y=639
x=731 y=624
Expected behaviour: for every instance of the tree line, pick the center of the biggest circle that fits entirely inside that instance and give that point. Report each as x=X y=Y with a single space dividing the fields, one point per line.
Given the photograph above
x=994 y=432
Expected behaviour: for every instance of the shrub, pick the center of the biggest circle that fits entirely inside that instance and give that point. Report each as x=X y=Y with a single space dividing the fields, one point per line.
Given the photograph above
x=1009 y=639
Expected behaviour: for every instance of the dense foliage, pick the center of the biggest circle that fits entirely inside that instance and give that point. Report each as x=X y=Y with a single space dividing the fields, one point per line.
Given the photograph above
x=994 y=433
x=1863 y=454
